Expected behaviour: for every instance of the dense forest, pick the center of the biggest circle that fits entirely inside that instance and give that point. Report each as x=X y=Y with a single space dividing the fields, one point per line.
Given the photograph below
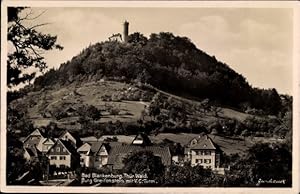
x=168 y=62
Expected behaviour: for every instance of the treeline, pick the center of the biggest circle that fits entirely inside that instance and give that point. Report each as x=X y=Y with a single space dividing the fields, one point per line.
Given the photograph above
x=168 y=62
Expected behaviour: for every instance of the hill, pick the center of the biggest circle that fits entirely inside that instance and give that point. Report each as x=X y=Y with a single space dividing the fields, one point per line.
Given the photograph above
x=169 y=63
x=161 y=84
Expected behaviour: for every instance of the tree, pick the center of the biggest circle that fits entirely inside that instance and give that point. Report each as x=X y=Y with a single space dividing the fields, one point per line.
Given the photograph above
x=262 y=161
x=178 y=175
x=137 y=37
x=29 y=46
x=15 y=162
x=144 y=162
x=114 y=111
x=92 y=112
x=98 y=134
x=201 y=176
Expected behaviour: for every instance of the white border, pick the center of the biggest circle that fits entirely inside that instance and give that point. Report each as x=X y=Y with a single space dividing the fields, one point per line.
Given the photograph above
x=221 y=4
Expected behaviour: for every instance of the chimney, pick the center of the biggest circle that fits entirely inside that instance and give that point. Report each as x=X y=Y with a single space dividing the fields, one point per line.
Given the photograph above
x=125 y=31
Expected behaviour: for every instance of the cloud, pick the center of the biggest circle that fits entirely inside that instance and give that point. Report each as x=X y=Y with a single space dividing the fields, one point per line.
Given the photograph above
x=259 y=51
x=255 y=42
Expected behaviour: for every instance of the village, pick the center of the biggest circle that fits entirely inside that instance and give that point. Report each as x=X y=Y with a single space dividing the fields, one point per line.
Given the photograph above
x=68 y=152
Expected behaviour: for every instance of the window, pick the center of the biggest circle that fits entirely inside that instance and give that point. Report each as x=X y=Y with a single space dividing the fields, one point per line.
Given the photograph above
x=207 y=161
x=207 y=152
x=81 y=160
x=58 y=149
x=199 y=161
x=53 y=158
x=62 y=157
x=63 y=150
x=52 y=150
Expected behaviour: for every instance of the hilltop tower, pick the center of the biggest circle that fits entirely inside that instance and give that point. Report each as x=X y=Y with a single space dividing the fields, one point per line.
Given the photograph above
x=125 y=31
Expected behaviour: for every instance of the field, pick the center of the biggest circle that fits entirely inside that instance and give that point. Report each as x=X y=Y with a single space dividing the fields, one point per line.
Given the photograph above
x=94 y=93
x=88 y=94
x=42 y=103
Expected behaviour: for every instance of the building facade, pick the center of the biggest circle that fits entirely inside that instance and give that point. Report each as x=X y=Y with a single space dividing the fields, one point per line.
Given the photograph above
x=202 y=151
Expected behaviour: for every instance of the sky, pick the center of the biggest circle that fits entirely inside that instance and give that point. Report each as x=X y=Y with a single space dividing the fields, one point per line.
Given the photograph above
x=255 y=42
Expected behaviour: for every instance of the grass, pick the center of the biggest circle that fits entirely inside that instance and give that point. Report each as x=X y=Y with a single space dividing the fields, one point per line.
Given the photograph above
x=130 y=111
x=90 y=94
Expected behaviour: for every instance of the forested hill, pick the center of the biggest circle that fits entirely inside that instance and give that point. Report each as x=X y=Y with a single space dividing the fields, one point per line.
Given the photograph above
x=168 y=62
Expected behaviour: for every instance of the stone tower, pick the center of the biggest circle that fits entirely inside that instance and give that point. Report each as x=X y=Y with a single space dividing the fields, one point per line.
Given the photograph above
x=125 y=31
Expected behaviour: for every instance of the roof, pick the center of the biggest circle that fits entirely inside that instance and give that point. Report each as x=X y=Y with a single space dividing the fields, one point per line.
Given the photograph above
x=69 y=147
x=43 y=141
x=33 y=152
x=119 y=152
x=144 y=137
x=74 y=135
x=94 y=147
x=204 y=143
x=36 y=132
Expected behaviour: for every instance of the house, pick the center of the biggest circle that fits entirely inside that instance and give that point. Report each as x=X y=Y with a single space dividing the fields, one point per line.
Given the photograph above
x=101 y=155
x=33 y=139
x=202 y=151
x=63 y=154
x=45 y=144
x=73 y=138
x=85 y=155
x=95 y=154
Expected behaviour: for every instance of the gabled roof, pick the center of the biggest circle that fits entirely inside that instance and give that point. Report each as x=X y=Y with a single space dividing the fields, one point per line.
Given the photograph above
x=96 y=146
x=119 y=152
x=43 y=141
x=67 y=145
x=84 y=148
x=74 y=135
x=204 y=143
x=143 y=137
x=36 y=132
x=48 y=139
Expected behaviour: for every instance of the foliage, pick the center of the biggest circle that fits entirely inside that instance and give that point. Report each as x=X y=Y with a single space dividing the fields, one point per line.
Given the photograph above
x=262 y=161
x=144 y=162
x=190 y=176
x=29 y=46
x=170 y=63
x=14 y=159
x=17 y=120
x=89 y=111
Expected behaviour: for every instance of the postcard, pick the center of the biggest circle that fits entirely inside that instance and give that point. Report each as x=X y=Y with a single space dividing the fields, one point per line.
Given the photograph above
x=150 y=97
